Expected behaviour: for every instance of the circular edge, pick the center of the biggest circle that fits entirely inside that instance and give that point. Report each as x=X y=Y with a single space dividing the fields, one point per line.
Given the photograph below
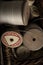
x=12 y=46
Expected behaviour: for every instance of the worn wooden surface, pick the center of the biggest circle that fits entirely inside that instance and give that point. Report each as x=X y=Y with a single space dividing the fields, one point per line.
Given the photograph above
x=35 y=58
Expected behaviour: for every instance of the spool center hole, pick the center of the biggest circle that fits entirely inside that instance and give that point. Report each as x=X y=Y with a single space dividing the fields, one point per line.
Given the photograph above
x=11 y=40
x=34 y=39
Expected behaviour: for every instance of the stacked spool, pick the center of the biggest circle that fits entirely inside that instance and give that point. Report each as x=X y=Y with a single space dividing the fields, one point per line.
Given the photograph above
x=31 y=41
x=33 y=38
x=11 y=36
x=14 y=12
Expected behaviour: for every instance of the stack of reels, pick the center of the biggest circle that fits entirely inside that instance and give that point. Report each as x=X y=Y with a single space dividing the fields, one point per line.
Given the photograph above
x=20 y=46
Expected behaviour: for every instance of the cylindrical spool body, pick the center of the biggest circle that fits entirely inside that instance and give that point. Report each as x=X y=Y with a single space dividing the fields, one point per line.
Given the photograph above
x=13 y=12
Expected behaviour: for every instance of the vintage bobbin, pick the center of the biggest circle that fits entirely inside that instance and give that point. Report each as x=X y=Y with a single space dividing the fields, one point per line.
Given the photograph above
x=10 y=37
x=22 y=49
x=14 y=12
x=22 y=53
x=33 y=38
x=34 y=11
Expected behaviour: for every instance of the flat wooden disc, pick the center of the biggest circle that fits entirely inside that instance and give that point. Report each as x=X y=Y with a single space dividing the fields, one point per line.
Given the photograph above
x=33 y=39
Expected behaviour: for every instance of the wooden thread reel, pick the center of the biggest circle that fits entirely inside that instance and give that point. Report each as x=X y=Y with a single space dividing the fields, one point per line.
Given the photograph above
x=11 y=38
x=10 y=60
x=33 y=38
x=6 y=56
x=15 y=12
x=34 y=11
x=22 y=53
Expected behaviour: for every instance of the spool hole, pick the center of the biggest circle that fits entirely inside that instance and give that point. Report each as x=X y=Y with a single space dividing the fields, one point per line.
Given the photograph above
x=11 y=40
x=34 y=39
